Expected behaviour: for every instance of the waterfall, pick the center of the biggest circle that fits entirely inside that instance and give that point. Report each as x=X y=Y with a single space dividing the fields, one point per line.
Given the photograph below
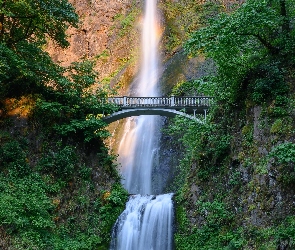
x=146 y=223
x=137 y=147
x=146 y=219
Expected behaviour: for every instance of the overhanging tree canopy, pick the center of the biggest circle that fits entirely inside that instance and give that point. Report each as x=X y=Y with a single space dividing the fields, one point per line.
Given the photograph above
x=25 y=25
x=254 y=42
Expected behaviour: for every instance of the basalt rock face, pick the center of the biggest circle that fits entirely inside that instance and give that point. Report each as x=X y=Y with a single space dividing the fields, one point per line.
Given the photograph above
x=108 y=33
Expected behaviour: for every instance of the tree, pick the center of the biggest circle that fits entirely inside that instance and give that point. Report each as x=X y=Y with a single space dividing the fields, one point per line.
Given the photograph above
x=25 y=26
x=34 y=20
x=251 y=47
x=67 y=101
x=65 y=109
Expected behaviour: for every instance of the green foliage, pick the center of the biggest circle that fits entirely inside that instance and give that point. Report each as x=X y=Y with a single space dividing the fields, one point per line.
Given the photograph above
x=36 y=208
x=182 y=220
x=127 y=21
x=48 y=199
x=253 y=53
x=103 y=56
x=24 y=27
x=25 y=69
x=34 y=20
x=251 y=46
x=203 y=86
x=95 y=220
x=201 y=138
x=110 y=207
x=280 y=106
x=217 y=231
x=273 y=236
x=62 y=161
x=85 y=172
x=204 y=144
x=81 y=241
x=247 y=132
x=215 y=214
x=214 y=232
x=13 y=158
x=282 y=126
x=26 y=210
x=284 y=153
x=277 y=126
x=90 y=127
x=286 y=231
x=183 y=17
x=74 y=108
x=268 y=83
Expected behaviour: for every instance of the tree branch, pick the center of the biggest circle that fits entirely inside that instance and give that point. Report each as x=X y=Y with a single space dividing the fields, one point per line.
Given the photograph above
x=273 y=50
x=2 y=19
x=32 y=17
x=28 y=28
x=286 y=23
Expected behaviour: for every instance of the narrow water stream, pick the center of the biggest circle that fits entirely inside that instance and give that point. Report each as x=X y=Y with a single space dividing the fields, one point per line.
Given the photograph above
x=146 y=223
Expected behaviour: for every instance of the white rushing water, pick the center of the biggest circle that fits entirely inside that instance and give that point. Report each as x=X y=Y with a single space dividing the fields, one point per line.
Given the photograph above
x=137 y=147
x=147 y=221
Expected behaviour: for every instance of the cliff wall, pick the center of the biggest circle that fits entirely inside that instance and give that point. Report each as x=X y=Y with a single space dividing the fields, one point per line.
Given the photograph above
x=109 y=34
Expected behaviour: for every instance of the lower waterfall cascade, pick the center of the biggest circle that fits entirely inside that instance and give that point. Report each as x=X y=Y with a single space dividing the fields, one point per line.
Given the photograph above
x=145 y=224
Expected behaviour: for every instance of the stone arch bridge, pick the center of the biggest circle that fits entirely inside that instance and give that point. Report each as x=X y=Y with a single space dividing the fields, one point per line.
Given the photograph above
x=165 y=106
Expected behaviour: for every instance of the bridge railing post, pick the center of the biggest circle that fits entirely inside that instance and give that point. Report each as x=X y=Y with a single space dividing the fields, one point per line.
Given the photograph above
x=124 y=100
x=172 y=102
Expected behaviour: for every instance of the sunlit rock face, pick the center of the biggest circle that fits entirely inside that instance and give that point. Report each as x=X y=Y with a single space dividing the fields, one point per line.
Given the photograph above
x=108 y=33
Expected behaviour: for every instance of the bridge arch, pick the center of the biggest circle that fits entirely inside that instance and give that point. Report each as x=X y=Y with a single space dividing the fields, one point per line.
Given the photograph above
x=153 y=111
x=164 y=106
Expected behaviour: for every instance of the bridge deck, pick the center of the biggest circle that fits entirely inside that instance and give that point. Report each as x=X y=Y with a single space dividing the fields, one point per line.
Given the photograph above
x=195 y=104
x=166 y=106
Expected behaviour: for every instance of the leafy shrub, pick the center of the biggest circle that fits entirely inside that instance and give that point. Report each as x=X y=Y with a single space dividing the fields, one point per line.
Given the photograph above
x=13 y=158
x=269 y=84
x=110 y=206
x=245 y=59
x=61 y=163
x=74 y=109
x=25 y=210
x=89 y=129
x=204 y=85
x=286 y=231
x=214 y=232
x=284 y=153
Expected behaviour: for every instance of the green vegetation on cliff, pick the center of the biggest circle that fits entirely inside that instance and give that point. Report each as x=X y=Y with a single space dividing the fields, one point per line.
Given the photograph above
x=59 y=188
x=236 y=180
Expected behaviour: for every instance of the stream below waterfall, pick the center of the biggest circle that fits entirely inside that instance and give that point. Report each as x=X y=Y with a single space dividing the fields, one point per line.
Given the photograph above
x=147 y=221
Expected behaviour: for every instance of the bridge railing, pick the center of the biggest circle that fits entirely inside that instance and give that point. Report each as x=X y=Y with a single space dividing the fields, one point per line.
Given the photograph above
x=173 y=101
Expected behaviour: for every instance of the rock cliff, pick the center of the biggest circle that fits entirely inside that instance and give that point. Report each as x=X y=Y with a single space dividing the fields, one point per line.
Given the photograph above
x=108 y=34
